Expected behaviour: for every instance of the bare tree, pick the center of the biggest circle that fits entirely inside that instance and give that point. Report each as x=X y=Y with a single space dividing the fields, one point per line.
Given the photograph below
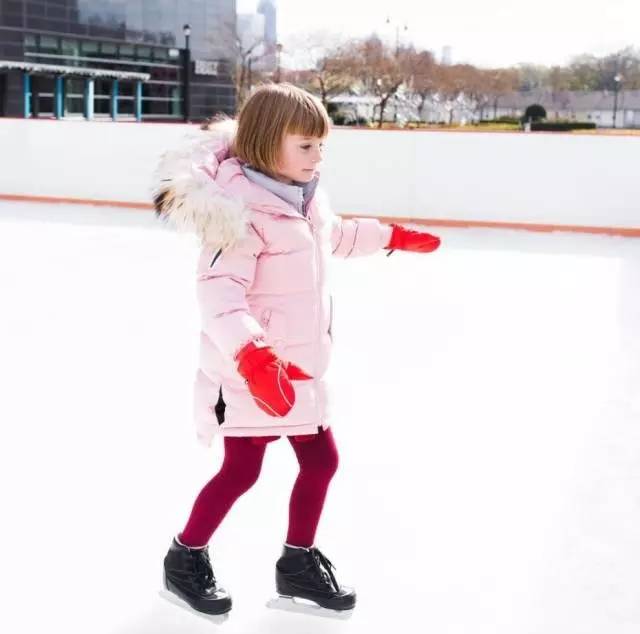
x=452 y=80
x=584 y=73
x=625 y=64
x=473 y=84
x=532 y=77
x=499 y=82
x=371 y=67
x=325 y=59
x=380 y=70
x=421 y=66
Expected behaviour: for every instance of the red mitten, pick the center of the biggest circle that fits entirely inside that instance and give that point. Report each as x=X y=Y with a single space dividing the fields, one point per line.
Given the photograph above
x=269 y=378
x=408 y=240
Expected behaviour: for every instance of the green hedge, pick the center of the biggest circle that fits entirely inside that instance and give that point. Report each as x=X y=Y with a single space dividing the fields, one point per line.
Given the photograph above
x=342 y=119
x=561 y=126
x=513 y=120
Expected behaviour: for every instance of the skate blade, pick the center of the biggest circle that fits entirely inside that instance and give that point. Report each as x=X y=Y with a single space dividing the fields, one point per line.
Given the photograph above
x=304 y=606
x=217 y=619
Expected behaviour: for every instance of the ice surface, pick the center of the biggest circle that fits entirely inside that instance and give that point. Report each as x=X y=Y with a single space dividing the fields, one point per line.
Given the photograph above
x=487 y=402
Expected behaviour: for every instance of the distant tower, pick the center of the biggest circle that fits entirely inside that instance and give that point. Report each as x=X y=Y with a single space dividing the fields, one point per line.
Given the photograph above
x=447 y=55
x=251 y=30
x=267 y=8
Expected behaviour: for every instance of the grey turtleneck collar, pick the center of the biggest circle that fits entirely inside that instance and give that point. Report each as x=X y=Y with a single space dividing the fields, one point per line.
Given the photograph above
x=297 y=194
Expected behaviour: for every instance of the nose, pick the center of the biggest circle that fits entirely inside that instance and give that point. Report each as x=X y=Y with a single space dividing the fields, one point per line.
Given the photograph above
x=317 y=155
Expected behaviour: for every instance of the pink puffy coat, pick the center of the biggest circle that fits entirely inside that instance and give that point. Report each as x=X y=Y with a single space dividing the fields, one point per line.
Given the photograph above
x=262 y=274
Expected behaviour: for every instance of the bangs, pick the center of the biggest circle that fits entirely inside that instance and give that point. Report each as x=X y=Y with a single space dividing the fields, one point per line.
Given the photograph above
x=308 y=118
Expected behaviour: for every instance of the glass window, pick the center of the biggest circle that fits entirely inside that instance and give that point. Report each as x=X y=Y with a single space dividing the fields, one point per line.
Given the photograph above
x=12 y=19
x=155 y=90
x=44 y=104
x=70 y=48
x=160 y=109
x=109 y=49
x=126 y=88
x=73 y=105
x=57 y=13
x=49 y=44
x=30 y=42
x=160 y=53
x=35 y=9
x=102 y=105
x=126 y=106
x=102 y=87
x=126 y=51
x=74 y=86
x=89 y=49
x=144 y=52
x=12 y=6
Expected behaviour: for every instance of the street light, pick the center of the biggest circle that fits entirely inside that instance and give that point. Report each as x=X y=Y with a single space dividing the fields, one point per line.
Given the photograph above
x=404 y=28
x=279 y=48
x=617 y=81
x=186 y=72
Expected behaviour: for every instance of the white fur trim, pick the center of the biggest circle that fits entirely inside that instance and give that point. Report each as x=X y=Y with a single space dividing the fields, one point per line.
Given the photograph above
x=191 y=200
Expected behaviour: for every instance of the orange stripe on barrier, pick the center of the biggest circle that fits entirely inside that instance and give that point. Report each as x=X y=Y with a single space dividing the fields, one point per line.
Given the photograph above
x=627 y=232
x=75 y=201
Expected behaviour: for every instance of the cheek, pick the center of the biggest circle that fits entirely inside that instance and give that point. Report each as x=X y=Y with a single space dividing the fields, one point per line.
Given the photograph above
x=293 y=160
x=288 y=159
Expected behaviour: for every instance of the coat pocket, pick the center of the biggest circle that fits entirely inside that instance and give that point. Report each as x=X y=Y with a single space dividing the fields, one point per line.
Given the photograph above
x=209 y=401
x=220 y=407
x=273 y=324
x=265 y=318
x=329 y=330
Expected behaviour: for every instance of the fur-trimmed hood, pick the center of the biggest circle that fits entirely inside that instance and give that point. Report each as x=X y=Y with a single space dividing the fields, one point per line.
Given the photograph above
x=186 y=194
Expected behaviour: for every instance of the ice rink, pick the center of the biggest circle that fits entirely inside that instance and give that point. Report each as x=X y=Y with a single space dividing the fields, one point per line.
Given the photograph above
x=487 y=405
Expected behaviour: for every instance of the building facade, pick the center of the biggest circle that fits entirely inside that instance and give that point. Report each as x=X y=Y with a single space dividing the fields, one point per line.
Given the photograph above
x=269 y=60
x=119 y=59
x=604 y=108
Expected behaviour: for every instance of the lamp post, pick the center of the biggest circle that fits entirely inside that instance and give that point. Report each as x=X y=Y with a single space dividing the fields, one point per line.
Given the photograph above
x=616 y=89
x=404 y=28
x=278 y=62
x=186 y=72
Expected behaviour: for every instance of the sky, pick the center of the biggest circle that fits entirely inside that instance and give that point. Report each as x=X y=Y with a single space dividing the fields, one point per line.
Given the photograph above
x=489 y=33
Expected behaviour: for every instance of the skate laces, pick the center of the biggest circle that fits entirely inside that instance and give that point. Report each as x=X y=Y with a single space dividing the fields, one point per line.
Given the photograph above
x=202 y=567
x=324 y=566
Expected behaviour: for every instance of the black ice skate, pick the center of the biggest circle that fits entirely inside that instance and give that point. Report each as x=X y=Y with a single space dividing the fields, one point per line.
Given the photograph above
x=189 y=583
x=305 y=583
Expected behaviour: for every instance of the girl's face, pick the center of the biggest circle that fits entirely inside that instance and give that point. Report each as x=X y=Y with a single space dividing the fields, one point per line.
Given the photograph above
x=299 y=157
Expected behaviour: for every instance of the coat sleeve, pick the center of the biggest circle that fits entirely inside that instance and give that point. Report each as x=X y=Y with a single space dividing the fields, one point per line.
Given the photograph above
x=223 y=279
x=358 y=236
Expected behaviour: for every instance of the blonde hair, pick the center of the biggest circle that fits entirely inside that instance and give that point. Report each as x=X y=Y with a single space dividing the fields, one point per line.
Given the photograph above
x=270 y=113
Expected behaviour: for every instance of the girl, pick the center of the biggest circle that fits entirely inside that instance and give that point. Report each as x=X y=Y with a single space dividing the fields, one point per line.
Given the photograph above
x=249 y=190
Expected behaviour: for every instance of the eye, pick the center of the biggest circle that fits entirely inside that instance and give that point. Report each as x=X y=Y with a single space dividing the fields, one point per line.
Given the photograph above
x=305 y=147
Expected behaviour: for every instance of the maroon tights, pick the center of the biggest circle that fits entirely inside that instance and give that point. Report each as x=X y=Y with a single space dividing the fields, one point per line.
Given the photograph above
x=318 y=459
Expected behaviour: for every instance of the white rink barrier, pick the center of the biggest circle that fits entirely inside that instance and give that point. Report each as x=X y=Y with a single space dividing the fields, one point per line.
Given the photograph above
x=443 y=177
